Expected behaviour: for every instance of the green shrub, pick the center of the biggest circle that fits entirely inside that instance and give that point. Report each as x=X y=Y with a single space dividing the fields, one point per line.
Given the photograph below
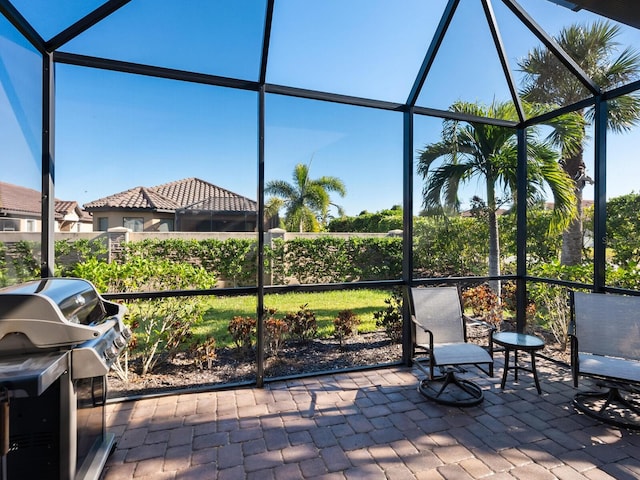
x=331 y=259
x=204 y=353
x=25 y=259
x=160 y=326
x=4 y=274
x=345 y=324
x=484 y=303
x=233 y=259
x=390 y=318
x=379 y=222
x=69 y=253
x=302 y=324
x=551 y=301
x=143 y=275
x=455 y=246
x=243 y=332
x=276 y=330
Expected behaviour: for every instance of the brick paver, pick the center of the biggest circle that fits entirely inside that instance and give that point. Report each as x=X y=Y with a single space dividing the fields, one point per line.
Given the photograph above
x=371 y=424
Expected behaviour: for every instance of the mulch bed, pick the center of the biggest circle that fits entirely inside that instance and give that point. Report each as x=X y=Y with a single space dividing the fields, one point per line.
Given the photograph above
x=231 y=366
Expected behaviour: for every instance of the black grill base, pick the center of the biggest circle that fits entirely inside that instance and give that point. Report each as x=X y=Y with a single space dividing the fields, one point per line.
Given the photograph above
x=59 y=432
x=34 y=436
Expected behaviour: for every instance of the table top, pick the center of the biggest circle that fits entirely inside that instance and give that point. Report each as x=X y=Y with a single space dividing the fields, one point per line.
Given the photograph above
x=518 y=340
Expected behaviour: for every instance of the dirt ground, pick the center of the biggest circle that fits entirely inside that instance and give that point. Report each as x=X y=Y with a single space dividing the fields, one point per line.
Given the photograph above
x=231 y=366
x=319 y=355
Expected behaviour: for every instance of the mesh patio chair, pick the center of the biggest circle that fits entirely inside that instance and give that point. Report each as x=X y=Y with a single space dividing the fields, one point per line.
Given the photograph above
x=605 y=346
x=440 y=344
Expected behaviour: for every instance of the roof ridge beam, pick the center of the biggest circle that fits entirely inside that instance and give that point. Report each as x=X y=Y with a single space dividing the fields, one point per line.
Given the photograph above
x=152 y=71
x=497 y=40
x=553 y=46
x=266 y=42
x=430 y=56
x=22 y=25
x=85 y=23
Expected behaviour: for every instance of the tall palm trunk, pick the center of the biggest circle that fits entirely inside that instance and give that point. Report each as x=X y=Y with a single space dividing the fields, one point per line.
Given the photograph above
x=494 y=241
x=571 y=253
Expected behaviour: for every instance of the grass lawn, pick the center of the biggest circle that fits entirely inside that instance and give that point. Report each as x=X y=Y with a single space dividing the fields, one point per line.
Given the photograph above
x=325 y=305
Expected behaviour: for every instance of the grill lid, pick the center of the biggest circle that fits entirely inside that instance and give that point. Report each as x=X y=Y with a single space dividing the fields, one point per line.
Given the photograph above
x=50 y=312
x=77 y=299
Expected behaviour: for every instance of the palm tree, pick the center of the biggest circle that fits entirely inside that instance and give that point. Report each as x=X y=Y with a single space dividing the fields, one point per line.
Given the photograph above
x=546 y=80
x=306 y=201
x=471 y=150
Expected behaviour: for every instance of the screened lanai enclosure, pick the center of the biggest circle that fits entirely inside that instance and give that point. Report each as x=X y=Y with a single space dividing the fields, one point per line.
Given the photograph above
x=500 y=135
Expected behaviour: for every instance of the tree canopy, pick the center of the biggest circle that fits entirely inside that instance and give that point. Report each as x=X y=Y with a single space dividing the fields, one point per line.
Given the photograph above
x=595 y=49
x=306 y=201
x=487 y=152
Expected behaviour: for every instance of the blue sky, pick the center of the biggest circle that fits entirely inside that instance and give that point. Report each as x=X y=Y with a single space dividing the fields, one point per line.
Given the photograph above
x=116 y=131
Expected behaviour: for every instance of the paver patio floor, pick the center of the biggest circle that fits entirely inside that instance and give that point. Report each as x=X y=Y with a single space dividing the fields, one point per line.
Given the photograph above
x=369 y=425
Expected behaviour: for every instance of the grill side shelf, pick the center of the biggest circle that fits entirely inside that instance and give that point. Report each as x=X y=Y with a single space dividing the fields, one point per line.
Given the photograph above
x=30 y=375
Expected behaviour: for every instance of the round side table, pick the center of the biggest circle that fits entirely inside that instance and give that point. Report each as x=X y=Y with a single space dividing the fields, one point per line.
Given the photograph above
x=512 y=341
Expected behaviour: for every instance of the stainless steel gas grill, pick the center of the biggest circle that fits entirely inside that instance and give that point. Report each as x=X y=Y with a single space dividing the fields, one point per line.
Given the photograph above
x=58 y=340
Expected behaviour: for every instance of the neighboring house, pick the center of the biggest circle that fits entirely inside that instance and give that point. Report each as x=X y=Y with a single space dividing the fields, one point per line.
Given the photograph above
x=188 y=205
x=21 y=211
x=71 y=218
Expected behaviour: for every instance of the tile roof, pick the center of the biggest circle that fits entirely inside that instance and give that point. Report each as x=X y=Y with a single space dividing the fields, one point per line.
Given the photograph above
x=134 y=198
x=191 y=193
x=227 y=203
x=19 y=200
x=65 y=207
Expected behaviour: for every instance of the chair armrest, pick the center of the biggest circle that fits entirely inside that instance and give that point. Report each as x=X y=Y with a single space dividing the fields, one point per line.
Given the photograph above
x=426 y=330
x=475 y=322
x=575 y=362
x=417 y=324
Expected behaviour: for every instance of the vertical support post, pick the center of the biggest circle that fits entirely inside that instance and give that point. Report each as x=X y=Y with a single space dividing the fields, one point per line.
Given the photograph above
x=407 y=239
x=521 y=232
x=48 y=169
x=260 y=257
x=600 y=195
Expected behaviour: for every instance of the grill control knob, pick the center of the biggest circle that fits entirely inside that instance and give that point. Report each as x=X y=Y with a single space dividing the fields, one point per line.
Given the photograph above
x=110 y=353
x=126 y=332
x=119 y=342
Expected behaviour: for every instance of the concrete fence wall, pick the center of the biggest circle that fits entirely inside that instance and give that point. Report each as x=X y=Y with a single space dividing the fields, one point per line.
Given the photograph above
x=117 y=237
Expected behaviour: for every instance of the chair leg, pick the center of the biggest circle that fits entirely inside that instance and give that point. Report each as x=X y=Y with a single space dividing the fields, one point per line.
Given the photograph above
x=609 y=406
x=448 y=389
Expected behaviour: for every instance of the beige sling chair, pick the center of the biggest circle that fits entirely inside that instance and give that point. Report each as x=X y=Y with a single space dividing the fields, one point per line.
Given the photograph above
x=440 y=343
x=605 y=346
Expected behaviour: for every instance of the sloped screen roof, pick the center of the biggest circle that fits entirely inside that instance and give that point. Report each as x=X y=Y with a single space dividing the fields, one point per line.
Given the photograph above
x=391 y=56
x=373 y=50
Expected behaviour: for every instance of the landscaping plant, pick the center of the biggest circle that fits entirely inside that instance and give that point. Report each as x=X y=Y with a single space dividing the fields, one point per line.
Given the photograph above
x=276 y=330
x=161 y=326
x=302 y=324
x=204 y=353
x=390 y=318
x=484 y=303
x=345 y=325
x=243 y=332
